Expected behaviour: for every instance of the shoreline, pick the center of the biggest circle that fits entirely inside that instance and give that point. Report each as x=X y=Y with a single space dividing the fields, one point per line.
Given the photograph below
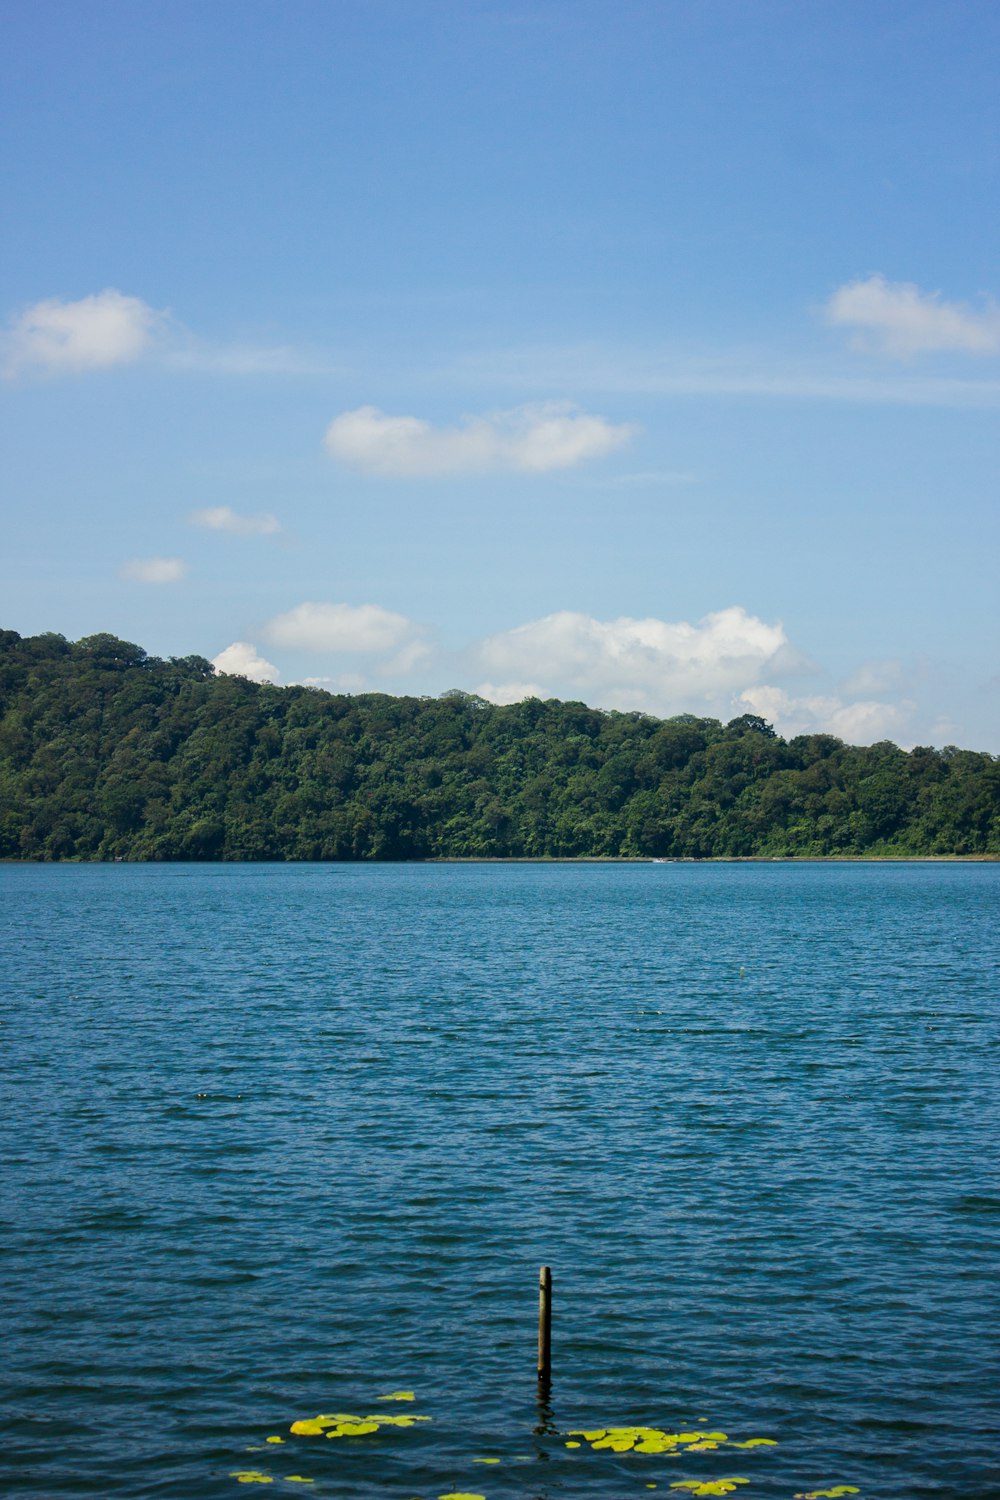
x=688 y=859
x=563 y=859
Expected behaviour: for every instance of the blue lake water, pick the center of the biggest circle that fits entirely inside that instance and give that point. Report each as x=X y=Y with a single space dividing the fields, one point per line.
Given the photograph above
x=280 y=1140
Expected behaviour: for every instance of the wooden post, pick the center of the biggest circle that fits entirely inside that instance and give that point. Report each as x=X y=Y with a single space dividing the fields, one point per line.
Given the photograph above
x=544 y=1323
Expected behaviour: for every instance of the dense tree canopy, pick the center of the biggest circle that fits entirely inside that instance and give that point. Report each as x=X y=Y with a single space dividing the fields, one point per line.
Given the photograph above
x=107 y=752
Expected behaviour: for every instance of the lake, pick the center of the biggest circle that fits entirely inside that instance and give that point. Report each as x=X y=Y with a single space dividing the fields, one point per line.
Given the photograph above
x=281 y=1141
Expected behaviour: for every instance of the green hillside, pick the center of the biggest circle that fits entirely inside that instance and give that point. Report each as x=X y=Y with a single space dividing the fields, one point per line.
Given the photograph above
x=108 y=752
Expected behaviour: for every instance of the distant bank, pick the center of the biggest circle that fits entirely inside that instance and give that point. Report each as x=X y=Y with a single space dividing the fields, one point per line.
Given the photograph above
x=107 y=753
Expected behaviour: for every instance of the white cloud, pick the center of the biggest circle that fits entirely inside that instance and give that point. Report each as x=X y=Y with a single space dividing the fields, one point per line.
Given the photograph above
x=340 y=627
x=414 y=654
x=154 y=569
x=343 y=682
x=57 y=338
x=243 y=660
x=509 y=692
x=901 y=320
x=658 y=666
x=859 y=723
x=530 y=439
x=224 y=518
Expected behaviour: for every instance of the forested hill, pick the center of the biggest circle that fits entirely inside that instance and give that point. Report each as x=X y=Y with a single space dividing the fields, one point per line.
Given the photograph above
x=107 y=752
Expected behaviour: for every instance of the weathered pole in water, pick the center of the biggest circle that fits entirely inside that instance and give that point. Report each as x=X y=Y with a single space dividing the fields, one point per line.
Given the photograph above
x=545 y=1323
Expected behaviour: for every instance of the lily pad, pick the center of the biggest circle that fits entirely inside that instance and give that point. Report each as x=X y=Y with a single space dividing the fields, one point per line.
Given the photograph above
x=709 y=1486
x=831 y=1494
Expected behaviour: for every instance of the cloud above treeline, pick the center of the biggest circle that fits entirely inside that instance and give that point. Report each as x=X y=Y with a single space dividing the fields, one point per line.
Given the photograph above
x=340 y=628
x=658 y=666
x=898 y=319
x=861 y=722
x=533 y=439
x=243 y=660
x=727 y=663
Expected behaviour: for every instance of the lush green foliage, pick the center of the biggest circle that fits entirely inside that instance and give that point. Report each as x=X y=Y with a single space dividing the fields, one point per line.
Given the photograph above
x=105 y=752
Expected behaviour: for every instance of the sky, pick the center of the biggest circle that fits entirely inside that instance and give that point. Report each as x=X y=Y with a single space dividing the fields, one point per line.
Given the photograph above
x=645 y=353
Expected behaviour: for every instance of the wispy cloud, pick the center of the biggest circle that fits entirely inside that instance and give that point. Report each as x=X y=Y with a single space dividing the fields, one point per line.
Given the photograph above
x=340 y=682
x=241 y=659
x=224 y=518
x=200 y=356
x=882 y=676
x=530 y=439
x=602 y=371
x=898 y=319
x=154 y=569
x=53 y=337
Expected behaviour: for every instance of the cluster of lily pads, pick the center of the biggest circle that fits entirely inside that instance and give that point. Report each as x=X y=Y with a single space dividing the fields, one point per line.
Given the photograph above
x=653 y=1440
x=331 y=1425
x=612 y=1439
x=345 y=1424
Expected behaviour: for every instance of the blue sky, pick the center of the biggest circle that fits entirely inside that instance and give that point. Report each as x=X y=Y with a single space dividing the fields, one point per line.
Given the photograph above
x=640 y=353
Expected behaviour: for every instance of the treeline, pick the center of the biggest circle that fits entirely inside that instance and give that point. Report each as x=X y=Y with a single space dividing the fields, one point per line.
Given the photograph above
x=106 y=752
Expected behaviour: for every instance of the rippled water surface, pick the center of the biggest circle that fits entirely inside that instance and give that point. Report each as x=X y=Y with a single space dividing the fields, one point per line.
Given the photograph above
x=280 y=1140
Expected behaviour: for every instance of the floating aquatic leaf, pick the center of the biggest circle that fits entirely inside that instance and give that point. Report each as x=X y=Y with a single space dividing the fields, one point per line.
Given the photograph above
x=708 y=1486
x=274 y=1440
x=834 y=1493
x=385 y=1421
x=572 y=1445
x=756 y=1443
x=251 y=1476
x=308 y=1427
x=491 y=1460
x=331 y=1419
x=461 y=1495
x=352 y=1429
x=397 y=1396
